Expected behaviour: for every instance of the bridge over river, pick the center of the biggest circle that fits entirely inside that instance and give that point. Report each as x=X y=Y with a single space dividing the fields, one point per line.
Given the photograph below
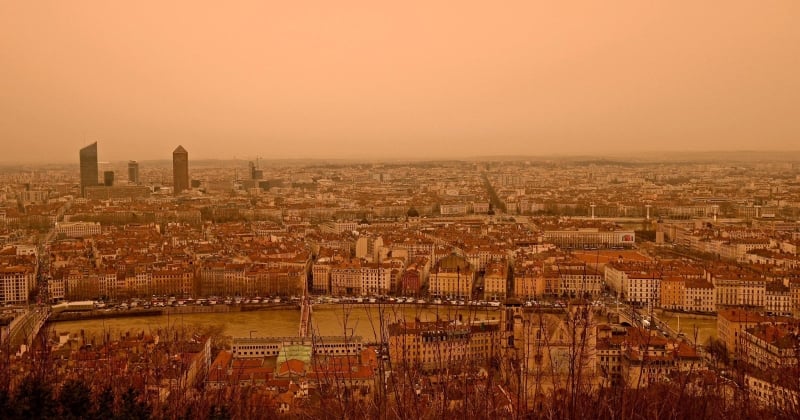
x=19 y=334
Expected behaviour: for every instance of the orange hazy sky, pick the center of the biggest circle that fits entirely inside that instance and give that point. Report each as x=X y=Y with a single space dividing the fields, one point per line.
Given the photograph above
x=412 y=79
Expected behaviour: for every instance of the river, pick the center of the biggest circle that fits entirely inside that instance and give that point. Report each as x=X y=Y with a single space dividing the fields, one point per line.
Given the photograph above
x=363 y=320
x=706 y=326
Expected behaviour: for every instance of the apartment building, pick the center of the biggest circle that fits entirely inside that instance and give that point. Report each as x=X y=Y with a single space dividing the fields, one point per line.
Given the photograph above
x=794 y=295
x=321 y=276
x=673 y=291
x=16 y=283
x=495 y=281
x=109 y=285
x=770 y=345
x=453 y=209
x=479 y=256
x=56 y=289
x=737 y=249
x=440 y=345
x=590 y=238
x=528 y=281
x=261 y=347
x=453 y=276
x=778 y=299
x=637 y=358
x=82 y=284
x=410 y=282
x=609 y=353
x=642 y=288
x=731 y=324
x=774 y=389
x=699 y=296
x=579 y=280
x=77 y=229
x=346 y=278
x=739 y=289
x=176 y=282
x=376 y=279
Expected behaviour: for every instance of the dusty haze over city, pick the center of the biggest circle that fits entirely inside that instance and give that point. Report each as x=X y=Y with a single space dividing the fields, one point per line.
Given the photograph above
x=412 y=80
x=400 y=210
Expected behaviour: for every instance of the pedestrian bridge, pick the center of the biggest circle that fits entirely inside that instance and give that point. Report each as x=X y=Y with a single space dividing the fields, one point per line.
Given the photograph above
x=305 y=317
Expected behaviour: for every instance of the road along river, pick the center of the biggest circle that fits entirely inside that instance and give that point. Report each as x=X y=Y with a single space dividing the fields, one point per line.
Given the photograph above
x=327 y=319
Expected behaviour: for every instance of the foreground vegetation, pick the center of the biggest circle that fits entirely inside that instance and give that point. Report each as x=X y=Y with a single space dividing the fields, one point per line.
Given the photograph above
x=37 y=392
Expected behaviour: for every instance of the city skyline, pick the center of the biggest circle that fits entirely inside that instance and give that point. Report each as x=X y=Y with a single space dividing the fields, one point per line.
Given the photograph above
x=652 y=274
x=366 y=81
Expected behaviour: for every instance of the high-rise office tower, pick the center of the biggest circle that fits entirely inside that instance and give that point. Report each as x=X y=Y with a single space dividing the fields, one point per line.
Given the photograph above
x=255 y=173
x=133 y=172
x=108 y=178
x=89 y=170
x=180 y=170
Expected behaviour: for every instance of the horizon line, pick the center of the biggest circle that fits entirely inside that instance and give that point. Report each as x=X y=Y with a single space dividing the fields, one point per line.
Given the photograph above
x=631 y=156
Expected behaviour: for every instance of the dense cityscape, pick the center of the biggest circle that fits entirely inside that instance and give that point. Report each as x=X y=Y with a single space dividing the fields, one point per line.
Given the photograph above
x=399 y=210
x=512 y=288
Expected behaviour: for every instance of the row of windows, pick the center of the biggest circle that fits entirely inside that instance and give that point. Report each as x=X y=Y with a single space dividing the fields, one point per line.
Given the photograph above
x=270 y=346
x=338 y=345
x=255 y=353
x=337 y=351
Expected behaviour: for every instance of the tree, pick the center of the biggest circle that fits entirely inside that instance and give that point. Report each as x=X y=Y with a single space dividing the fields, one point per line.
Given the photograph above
x=5 y=406
x=34 y=399
x=132 y=407
x=719 y=350
x=219 y=412
x=104 y=404
x=74 y=401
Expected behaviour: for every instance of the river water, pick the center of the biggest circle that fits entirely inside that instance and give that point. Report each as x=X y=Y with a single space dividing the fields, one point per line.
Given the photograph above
x=363 y=320
x=706 y=327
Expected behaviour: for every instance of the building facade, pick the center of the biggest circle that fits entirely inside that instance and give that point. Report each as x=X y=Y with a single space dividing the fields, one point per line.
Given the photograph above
x=78 y=229
x=439 y=345
x=89 y=169
x=180 y=170
x=133 y=172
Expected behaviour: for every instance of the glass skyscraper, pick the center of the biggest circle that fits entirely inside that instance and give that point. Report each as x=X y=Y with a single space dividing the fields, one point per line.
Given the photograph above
x=89 y=170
